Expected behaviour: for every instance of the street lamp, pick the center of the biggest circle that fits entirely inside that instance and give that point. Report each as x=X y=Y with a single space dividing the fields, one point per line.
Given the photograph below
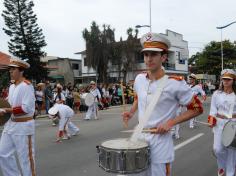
x=150 y=18
x=222 y=54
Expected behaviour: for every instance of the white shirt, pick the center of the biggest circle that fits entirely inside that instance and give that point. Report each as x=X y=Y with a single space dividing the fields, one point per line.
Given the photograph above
x=221 y=103
x=39 y=95
x=95 y=93
x=64 y=111
x=174 y=93
x=21 y=95
x=197 y=90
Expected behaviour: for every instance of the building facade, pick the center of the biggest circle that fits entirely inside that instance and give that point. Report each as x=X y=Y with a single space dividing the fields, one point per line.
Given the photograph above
x=177 y=61
x=63 y=70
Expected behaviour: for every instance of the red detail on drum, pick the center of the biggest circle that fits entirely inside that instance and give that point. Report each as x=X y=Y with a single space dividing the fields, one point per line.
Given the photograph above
x=195 y=104
x=18 y=111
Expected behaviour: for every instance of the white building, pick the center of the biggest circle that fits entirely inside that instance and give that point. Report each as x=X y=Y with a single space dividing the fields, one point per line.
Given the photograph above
x=177 y=61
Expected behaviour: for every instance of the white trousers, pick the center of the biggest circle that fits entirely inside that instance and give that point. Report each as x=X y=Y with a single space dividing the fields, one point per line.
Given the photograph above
x=191 y=123
x=220 y=151
x=92 y=111
x=72 y=128
x=231 y=162
x=23 y=145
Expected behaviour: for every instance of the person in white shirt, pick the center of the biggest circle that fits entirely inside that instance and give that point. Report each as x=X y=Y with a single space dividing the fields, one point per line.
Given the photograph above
x=18 y=135
x=175 y=92
x=197 y=90
x=66 y=128
x=223 y=109
x=93 y=109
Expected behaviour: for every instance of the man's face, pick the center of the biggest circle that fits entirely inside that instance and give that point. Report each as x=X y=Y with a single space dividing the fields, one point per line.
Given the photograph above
x=153 y=60
x=15 y=73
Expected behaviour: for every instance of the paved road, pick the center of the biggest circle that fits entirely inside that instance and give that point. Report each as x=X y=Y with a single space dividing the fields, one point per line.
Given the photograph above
x=77 y=157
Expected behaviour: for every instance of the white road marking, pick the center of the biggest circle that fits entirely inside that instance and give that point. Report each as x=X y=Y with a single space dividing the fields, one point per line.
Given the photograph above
x=188 y=141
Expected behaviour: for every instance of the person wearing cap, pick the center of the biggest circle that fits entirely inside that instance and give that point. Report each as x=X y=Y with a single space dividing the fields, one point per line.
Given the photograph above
x=163 y=117
x=93 y=109
x=197 y=90
x=66 y=128
x=19 y=131
x=222 y=110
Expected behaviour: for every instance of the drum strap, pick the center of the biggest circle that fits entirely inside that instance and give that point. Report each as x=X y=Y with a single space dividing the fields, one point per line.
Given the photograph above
x=149 y=109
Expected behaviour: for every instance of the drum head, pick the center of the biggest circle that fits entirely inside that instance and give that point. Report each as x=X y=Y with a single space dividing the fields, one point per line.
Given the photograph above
x=89 y=99
x=228 y=133
x=5 y=117
x=123 y=143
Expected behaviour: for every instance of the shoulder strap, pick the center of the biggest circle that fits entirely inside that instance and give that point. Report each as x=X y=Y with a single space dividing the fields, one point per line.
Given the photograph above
x=149 y=110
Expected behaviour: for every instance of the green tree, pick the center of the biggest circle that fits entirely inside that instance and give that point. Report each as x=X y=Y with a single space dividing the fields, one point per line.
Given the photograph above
x=26 y=38
x=209 y=60
x=130 y=50
x=99 y=48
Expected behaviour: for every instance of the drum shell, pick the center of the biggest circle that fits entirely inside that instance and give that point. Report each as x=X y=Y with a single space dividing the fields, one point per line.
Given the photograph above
x=123 y=161
x=85 y=96
x=229 y=134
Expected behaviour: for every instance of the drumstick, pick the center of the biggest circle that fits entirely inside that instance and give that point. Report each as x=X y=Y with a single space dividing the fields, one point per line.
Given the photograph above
x=123 y=100
x=143 y=131
x=203 y=123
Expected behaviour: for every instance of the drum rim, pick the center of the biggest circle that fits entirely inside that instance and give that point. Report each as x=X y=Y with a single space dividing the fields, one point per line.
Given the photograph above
x=227 y=143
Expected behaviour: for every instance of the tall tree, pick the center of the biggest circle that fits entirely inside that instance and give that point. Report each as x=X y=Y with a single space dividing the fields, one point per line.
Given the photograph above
x=26 y=38
x=99 y=48
x=130 y=50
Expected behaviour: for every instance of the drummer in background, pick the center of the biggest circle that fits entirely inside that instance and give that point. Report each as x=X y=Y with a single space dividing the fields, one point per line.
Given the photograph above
x=176 y=92
x=223 y=109
x=197 y=90
x=18 y=136
x=66 y=128
x=58 y=96
x=93 y=109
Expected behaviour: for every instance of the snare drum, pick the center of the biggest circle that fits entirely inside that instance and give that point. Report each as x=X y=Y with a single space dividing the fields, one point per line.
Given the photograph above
x=229 y=134
x=87 y=99
x=123 y=156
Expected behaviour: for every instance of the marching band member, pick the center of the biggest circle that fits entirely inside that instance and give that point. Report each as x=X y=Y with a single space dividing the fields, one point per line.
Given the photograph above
x=93 y=109
x=19 y=132
x=64 y=113
x=223 y=109
x=197 y=90
x=163 y=117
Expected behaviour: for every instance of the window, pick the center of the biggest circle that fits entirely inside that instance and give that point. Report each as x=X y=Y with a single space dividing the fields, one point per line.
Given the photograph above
x=75 y=66
x=180 y=59
x=139 y=57
x=85 y=61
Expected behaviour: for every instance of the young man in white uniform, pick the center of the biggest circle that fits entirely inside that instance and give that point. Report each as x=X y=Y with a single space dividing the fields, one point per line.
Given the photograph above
x=66 y=128
x=163 y=117
x=93 y=109
x=19 y=132
x=197 y=90
x=223 y=109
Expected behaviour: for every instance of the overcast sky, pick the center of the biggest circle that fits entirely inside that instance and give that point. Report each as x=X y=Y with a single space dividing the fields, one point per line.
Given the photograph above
x=63 y=21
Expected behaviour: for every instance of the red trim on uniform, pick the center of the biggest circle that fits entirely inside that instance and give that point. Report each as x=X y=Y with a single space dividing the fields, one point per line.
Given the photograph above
x=167 y=169
x=27 y=82
x=195 y=104
x=212 y=121
x=60 y=133
x=18 y=111
x=32 y=165
x=176 y=77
